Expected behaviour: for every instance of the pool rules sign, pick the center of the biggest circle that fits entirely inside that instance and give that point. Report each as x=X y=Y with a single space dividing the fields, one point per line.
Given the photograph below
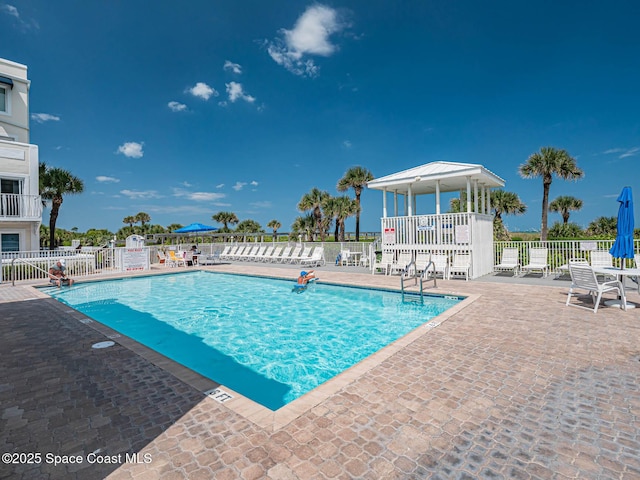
x=135 y=259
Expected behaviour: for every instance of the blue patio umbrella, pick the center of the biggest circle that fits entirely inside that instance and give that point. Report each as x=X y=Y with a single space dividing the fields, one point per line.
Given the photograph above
x=195 y=228
x=623 y=246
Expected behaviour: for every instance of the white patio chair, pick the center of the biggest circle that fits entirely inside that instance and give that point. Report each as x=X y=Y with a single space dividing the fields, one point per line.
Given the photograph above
x=304 y=254
x=461 y=265
x=602 y=258
x=267 y=253
x=537 y=261
x=384 y=263
x=422 y=259
x=584 y=278
x=509 y=261
x=440 y=265
x=275 y=254
x=403 y=260
x=295 y=254
x=284 y=257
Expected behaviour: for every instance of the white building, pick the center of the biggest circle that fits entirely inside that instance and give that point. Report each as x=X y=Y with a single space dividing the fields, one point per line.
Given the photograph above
x=20 y=203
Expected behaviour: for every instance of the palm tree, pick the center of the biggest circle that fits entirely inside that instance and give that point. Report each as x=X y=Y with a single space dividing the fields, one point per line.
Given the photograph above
x=565 y=204
x=55 y=183
x=274 y=225
x=547 y=163
x=305 y=225
x=330 y=212
x=356 y=178
x=142 y=218
x=225 y=218
x=129 y=220
x=313 y=201
x=174 y=226
x=507 y=203
x=345 y=208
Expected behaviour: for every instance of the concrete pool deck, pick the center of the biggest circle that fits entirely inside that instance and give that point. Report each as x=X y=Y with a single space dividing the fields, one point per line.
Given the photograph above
x=513 y=385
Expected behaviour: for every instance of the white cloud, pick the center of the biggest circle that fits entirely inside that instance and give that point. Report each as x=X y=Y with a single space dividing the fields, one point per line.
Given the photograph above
x=254 y=183
x=309 y=36
x=198 y=196
x=177 y=107
x=136 y=194
x=202 y=90
x=105 y=179
x=624 y=152
x=220 y=185
x=44 y=117
x=236 y=92
x=131 y=149
x=234 y=67
x=264 y=204
x=346 y=144
x=239 y=185
x=22 y=24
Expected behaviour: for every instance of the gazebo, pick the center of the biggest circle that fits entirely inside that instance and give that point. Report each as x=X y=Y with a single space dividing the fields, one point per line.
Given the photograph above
x=470 y=231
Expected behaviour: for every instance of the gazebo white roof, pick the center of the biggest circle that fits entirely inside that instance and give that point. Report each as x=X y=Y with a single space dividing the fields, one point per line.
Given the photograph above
x=453 y=177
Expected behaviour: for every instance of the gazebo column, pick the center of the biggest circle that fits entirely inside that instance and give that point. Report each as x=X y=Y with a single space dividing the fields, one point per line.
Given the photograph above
x=409 y=202
x=384 y=203
x=488 y=201
x=475 y=196
x=483 y=204
x=437 y=197
x=468 y=194
x=395 y=203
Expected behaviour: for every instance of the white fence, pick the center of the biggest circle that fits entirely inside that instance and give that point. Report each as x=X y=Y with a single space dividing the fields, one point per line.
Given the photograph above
x=88 y=261
x=560 y=251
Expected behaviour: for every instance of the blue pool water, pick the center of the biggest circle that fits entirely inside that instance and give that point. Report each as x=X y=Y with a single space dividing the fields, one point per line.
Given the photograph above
x=253 y=334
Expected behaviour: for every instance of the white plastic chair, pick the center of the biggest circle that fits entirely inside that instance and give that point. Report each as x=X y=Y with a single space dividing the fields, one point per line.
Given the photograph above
x=584 y=278
x=509 y=261
x=537 y=261
x=440 y=265
x=461 y=265
x=384 y=263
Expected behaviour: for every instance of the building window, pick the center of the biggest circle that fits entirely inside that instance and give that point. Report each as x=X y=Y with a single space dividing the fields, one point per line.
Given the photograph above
x=10 y=242
x=3 y=100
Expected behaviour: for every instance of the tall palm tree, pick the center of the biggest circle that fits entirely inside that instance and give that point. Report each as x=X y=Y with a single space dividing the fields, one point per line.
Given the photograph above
x=274 y=225
x=174 y=226
x=564 y=205
x=226 y=219
x=345 y=208
x=603 y=226
x=547 y=163
x=55 y=183
x=313 y=201
x=129 y=220
x=356 y=178
x=330 y=212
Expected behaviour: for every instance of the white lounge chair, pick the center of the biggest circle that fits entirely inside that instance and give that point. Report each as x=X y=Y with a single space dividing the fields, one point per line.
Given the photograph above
x=275 y=254
x=402 y=262
x=461 y=265
x=285 y=255
x=255 y=257
x=267 y=253
x=304 y=253
x=316 y=259
x=295 y=254
x=509 y=261
x=385 y=263
x=228 y=252
x=209 y=259
x=584 y=278
x=537 y=261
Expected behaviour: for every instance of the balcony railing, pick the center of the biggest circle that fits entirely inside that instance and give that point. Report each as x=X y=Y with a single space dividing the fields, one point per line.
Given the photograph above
x=14 y=206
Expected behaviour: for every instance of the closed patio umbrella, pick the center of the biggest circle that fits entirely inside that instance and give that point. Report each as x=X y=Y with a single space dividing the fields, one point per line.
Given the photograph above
x=623 y=246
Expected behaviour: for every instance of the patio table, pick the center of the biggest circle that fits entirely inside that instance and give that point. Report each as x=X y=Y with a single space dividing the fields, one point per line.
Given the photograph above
x=620 y=273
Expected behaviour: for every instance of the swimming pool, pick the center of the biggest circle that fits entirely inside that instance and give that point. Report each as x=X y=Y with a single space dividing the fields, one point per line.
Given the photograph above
x=253 y=334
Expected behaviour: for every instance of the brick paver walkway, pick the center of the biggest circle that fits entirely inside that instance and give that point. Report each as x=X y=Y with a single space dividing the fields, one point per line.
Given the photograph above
x=516 y=385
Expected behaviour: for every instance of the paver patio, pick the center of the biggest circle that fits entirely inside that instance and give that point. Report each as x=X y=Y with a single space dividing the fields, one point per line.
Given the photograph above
x=514 y=385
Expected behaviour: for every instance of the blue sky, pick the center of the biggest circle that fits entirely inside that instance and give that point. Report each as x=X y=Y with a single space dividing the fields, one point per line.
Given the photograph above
x=184 y=110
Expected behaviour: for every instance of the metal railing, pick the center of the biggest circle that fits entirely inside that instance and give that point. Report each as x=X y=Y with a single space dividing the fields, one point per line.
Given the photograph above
x=17 y=206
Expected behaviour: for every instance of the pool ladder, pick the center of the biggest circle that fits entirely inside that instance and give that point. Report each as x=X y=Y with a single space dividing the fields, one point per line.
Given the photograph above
x=424 y=276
